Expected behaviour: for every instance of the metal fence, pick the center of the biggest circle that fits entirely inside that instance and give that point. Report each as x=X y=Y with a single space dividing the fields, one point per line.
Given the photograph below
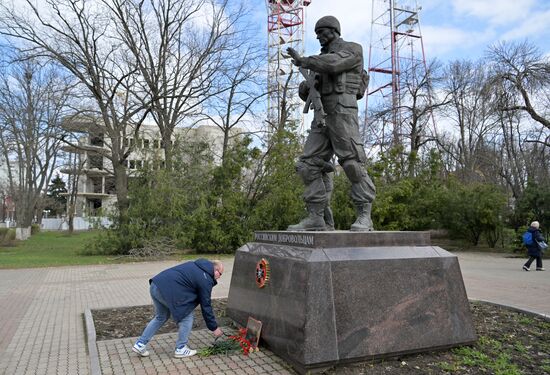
x=80 y=223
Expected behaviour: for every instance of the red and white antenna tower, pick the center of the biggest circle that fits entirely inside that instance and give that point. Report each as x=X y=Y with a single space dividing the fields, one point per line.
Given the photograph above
x=285 y=28
x=396 y=51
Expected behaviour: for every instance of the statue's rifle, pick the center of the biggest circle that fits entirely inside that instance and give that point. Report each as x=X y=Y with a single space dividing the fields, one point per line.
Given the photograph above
x=313 y=99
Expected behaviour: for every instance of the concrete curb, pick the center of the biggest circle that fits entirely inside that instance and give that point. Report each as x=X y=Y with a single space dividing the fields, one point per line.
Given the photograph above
x=514 y=308
x=95 y=367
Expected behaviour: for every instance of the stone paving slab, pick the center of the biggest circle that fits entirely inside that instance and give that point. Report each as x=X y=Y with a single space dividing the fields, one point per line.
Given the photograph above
x=116 y=357
x=17 y=290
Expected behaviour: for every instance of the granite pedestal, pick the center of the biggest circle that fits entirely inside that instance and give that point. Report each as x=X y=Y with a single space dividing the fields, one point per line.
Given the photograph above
x=349 y=296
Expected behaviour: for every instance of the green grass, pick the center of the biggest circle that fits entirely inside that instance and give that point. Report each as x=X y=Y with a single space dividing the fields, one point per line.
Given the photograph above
x=525 y=321
x=51 y=249
x=487 y=355
x=47 y=249
x=449 y=367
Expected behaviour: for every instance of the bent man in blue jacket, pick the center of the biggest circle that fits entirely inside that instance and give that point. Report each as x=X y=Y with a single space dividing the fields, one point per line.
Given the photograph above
x=177 y=291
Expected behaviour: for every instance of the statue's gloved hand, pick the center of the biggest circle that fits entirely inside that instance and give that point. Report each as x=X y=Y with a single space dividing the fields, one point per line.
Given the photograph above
x=296 y=58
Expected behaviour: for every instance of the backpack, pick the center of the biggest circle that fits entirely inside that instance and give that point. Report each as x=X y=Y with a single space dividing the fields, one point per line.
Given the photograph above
x=528 y=238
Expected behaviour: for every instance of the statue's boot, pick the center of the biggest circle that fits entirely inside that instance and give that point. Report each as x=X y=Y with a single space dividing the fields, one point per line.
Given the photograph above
x=363 y=222
x=314 y=221
x=329 y=219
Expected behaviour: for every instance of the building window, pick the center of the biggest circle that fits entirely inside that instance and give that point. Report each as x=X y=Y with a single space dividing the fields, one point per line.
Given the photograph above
x=97 y=185
x=110 y=185
x=146 y=143
x=95 y=161
x=139 y=164
x=125 y=142
x=139 y=143
x=156 y=143
x=97 y=140
x=132 y=164
x=132 y=142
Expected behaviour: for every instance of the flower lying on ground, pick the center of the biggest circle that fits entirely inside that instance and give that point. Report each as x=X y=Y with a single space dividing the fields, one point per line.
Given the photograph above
x=229 y=345
x=243 y=342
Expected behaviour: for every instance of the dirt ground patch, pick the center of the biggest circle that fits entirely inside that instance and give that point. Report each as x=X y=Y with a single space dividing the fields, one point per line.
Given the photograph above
x=509 y=342
x=123 y=322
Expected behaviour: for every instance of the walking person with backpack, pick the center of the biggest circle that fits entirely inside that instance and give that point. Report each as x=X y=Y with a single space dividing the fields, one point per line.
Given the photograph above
x=531 y=239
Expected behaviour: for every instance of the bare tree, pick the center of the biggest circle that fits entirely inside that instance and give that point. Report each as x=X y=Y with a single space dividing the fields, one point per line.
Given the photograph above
x=3 y=206
x=33 y=98
x=523 y=75
x=179 y=48
x=401 y=131
x=512 y=166
x=75 y=162
x=518 y=159
x=470 y=112
x=78 y=35
x=418 y=104
x=241 y=87
x=520 y=93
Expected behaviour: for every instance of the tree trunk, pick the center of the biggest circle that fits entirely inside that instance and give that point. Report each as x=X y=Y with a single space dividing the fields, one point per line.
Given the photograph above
x=168 y=149
x=225 y=144
x=70 y=217
x=24 y=213
x=121 y=186
x=22 y=233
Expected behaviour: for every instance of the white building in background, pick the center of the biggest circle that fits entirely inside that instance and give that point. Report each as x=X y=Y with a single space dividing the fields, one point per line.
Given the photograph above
x=96 y=186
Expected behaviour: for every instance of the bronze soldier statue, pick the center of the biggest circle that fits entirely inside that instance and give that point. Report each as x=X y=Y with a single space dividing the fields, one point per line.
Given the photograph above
x=341 y=81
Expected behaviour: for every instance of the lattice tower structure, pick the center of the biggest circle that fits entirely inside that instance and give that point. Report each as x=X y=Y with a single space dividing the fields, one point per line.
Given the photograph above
x=396 y=58
x=286 y=28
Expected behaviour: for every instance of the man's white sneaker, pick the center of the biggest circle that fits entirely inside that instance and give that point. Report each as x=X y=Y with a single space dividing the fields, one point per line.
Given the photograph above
x=140 y=349
x=525 y=268
x=184 y=352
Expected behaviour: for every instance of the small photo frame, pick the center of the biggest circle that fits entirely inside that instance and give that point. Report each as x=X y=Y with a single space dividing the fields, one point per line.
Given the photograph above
x=253 y=331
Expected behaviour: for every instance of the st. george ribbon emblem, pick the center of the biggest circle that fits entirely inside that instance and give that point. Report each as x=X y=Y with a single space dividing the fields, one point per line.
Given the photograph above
x=262 y=273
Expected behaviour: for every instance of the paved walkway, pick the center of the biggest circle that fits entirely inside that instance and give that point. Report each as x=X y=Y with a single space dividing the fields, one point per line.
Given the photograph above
x=42 y=330
x=495 y=278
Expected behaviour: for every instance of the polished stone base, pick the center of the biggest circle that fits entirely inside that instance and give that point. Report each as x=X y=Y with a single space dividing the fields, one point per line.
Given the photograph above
x=347 y=296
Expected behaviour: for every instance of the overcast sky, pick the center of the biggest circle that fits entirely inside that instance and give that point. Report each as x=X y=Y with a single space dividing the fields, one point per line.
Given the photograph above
x=450 y=29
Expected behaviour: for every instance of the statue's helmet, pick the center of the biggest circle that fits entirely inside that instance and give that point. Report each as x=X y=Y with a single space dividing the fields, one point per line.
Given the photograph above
x=329 y=22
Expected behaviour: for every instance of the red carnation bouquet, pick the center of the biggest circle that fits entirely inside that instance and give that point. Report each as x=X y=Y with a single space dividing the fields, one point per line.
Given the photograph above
x=233 y=343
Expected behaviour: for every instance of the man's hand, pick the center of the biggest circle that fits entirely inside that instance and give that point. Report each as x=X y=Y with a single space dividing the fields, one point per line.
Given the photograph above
x=296 y=58
x=218 y=332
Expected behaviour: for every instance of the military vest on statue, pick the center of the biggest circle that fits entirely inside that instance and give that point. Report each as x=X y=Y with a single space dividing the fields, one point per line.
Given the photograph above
x=344 y=88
